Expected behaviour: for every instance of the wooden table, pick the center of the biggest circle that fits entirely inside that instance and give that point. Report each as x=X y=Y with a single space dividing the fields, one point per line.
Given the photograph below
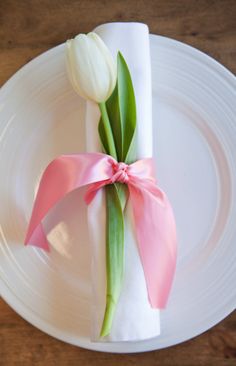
x=29 y=27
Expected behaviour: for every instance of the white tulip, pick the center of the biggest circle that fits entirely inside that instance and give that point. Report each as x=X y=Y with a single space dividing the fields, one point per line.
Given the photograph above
x=91 y=68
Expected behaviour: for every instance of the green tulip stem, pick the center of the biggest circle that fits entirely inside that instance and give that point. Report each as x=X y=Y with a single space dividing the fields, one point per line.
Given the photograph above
x=108 y=130
x=114 y=255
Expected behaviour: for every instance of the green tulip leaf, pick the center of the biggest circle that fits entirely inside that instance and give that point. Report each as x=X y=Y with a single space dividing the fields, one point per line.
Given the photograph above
x=127 y=107
x=121 y=109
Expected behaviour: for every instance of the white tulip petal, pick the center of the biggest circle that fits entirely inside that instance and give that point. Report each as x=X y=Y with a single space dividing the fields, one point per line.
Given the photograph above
x=108 y=59
x=71 y=67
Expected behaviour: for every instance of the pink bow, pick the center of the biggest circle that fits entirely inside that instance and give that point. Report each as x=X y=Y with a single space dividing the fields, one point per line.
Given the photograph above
x=154 y=219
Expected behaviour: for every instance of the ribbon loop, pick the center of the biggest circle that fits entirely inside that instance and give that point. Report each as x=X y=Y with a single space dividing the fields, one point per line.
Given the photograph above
x=154 y=219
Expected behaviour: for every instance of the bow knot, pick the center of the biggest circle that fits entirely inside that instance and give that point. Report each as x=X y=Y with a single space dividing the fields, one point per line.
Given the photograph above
x=120 y=172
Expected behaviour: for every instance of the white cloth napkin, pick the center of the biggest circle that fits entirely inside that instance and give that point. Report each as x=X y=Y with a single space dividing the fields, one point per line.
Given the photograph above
x=134 y=318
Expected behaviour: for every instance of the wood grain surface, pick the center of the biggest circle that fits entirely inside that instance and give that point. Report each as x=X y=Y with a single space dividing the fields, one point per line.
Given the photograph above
x=30 y=27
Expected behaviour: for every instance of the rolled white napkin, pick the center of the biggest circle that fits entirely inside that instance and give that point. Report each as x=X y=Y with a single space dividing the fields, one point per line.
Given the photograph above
x=134 y=318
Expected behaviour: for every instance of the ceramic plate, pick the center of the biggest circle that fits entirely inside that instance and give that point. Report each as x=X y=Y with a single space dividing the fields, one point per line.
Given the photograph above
x=195 y=148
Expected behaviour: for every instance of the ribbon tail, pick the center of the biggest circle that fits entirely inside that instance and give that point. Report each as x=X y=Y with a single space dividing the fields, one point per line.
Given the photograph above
x=62 y=176
x=37 y=238
x=156 y=237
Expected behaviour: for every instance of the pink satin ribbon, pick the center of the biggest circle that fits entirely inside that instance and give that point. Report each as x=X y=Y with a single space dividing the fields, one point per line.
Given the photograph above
x=153 y=215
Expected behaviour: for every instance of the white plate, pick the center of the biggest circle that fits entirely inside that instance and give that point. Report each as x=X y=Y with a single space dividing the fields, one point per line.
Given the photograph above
x=195 y=150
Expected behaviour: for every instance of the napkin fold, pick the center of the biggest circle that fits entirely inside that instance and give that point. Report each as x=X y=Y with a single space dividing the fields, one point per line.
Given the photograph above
x=134 y=318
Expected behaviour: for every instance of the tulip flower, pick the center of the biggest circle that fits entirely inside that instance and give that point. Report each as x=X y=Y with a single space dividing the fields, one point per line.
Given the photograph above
x=91 y=68
x=92 y=72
